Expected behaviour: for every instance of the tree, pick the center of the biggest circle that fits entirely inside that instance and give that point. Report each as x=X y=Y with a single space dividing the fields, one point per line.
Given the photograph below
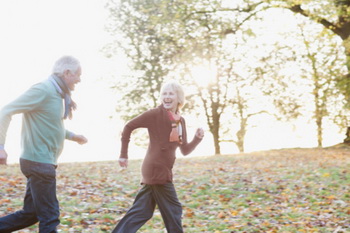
x=219 y=39
x=145 y=41
x=339 y=25
x=169 y=38
x=334 y=15
x=325 y=66
x=162 y=35
x=242 y=113
x=231 y=95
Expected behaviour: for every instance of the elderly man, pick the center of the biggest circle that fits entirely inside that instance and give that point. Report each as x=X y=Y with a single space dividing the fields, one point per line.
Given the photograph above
x=43 y=134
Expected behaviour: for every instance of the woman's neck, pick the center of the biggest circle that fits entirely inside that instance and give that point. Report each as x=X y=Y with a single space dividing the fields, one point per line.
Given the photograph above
x=172 y=110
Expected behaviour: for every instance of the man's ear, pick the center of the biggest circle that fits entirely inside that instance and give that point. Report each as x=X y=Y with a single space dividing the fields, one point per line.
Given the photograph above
x=66 y=73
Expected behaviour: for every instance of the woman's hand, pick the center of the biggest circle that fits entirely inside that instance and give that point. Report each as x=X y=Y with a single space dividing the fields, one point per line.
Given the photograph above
x=3 y=157
x=200 y=133
x=123 y=162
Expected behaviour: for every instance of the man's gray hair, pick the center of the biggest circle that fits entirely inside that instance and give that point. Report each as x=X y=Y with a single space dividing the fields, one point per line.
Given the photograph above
x=65 y=63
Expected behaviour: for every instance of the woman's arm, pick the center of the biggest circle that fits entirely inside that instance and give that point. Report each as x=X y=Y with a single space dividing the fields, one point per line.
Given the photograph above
x=142 y=121
x=186 y=148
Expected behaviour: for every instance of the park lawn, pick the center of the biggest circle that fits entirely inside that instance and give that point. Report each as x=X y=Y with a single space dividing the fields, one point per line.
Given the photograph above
x=287 y=190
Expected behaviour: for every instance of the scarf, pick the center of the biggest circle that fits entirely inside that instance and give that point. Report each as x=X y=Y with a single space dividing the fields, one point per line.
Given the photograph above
x=63 y=90
x=176 y=129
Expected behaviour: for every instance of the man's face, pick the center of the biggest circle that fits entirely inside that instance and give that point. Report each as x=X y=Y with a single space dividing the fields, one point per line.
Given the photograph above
x=169 y=99
x=72 y=78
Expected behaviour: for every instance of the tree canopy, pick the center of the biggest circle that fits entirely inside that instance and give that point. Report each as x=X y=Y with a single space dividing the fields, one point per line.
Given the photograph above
x=248 y=75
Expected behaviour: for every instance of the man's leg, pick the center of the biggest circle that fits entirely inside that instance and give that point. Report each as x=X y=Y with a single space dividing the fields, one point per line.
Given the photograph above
x=141 y=211
x=169 y=206
x=43 y=189
x=20 y=219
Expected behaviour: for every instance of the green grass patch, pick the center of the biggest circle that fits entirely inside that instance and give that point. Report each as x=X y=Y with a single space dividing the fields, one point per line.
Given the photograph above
x=295 y=190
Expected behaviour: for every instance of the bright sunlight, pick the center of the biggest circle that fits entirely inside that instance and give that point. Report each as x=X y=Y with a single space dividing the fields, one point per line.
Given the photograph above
x=204 y=74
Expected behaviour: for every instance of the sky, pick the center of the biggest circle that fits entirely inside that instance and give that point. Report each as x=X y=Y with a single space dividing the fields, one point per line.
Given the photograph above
x=35 y=33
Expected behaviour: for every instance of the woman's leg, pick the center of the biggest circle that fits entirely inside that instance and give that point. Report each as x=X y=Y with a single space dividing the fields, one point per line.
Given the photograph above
x=169 y=206
x=140 y=212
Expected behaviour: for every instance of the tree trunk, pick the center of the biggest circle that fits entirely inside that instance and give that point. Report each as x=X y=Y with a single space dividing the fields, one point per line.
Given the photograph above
x=241 y=134
x=217 y=146
x=347 y=139
x=319 y=131
x=216 y=135
x=240 y=145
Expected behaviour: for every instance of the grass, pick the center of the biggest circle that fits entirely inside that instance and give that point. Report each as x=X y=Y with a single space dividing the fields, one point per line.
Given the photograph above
x=290 y=190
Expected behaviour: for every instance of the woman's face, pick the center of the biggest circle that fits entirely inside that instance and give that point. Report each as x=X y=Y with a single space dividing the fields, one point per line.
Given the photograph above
x=169 y=99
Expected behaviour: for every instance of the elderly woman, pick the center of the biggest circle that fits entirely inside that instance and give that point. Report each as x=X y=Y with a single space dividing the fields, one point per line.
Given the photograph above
x=167 y=132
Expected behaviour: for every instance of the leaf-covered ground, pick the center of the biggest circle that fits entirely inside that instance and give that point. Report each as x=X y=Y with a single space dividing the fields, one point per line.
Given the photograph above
x=290 y=190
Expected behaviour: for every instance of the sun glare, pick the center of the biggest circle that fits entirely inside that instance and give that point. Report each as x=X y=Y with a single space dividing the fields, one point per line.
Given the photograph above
x=203 y=75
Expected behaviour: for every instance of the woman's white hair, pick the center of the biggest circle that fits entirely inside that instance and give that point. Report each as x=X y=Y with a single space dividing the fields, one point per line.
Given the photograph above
x=178 y=90
x=65 y=63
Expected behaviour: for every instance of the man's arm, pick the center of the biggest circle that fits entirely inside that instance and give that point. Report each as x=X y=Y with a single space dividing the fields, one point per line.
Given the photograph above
x=28 y=101
x=80 y=139
x=76 y=138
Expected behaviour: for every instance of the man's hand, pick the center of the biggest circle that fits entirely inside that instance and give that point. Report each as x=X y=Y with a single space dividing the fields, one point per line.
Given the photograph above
x=80 y=139
x=3 y=157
